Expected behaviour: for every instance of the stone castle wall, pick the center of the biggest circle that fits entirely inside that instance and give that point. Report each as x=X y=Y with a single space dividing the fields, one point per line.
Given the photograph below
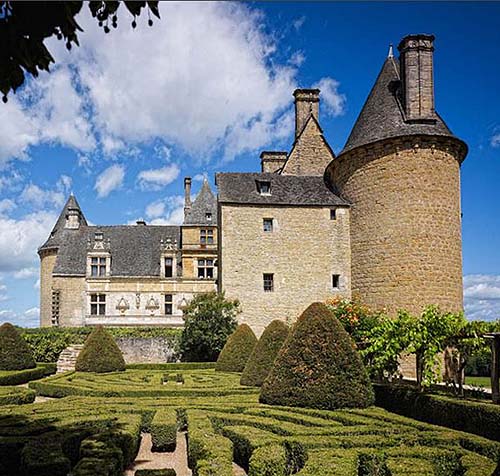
x=47 y=262
x=405 y=222
x=305 y=248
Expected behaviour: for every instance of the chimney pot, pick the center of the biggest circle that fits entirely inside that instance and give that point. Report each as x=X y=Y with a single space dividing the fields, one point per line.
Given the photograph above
x=306 y=104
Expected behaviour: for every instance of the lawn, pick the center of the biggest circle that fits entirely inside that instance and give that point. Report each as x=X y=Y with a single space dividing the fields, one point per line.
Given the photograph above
x=478 y=381
x=95 y=430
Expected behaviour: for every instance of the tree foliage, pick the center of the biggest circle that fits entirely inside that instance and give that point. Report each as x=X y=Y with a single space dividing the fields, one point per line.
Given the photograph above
x=209 y=319
x=237 y=350
x=264 y=354
x=25 y=25
x=100 y=353
x=318 y=366
x=15 y=353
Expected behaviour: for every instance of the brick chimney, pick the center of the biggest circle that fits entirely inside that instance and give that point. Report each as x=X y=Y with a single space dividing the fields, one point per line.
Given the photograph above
x=416 y=53
x=187 y=194
x=271 y=162
x=306 y=103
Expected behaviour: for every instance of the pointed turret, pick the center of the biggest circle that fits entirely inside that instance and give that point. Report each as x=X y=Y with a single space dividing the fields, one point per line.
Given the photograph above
x=203 y=211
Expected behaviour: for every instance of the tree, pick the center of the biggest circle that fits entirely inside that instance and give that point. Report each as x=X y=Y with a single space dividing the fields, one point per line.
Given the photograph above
x=25 y=25
x=100 y=353
x=15 y=353
x=209 y=319
x=237 y=350
x=318 y=366
x=264 y=354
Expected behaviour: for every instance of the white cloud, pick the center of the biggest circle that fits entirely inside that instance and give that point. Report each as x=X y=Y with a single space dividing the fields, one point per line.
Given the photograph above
x=155 y=179
x=332 y=101
x=6 y=206
x=28 y=318
x=495 y=140
x=297 y=24
x=3 y=292
x=37 y=284
x=39 y=198
x=109 y=180
x=297 y=58
x=19 y=240
x=24 y=273
x=155 y=209
x=200 y=177
x=482 y=296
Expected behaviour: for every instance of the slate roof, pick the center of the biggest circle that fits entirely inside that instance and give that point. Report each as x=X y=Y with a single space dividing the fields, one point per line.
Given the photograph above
x=299 y=190
x=205 y=202
x=382 y=116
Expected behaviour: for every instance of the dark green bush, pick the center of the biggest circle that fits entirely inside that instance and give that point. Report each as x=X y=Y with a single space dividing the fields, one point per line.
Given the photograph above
x=448 y=464
x=318 y=366
x=100 y=353
x=15 y=353
x=208 y=321
x=237 y=350
x=18 y=377
x=372 y=464
x=482 y=419
x=164 y=430
x=16 y=396
x=268 y=460
x=43 y=456
x=264 y=354
x=155 y=472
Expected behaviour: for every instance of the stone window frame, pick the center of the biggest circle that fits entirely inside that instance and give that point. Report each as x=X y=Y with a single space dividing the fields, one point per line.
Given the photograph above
x=99 y=301
x=169 y=300
x=336 y=281
x=107 y=264
x=168 y=255
x=268 y=225
x=268 y=282
x=55 y=307
x=207 y=236
x=333 y=214
x=204 y=268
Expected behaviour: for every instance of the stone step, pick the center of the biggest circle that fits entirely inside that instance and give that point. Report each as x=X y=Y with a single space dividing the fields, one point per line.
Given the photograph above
x=67 y=358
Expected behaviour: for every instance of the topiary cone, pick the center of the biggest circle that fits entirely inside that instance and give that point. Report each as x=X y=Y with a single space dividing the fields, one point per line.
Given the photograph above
x=15 y=353
x=237 y=350
x=264 y=354
x=100 y=353
x=318 y=366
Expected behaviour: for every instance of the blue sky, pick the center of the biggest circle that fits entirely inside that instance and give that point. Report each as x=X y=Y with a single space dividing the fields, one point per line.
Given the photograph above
x=122 y=119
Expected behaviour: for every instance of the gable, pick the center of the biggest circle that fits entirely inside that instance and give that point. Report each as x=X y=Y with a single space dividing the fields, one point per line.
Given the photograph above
x=310 y=153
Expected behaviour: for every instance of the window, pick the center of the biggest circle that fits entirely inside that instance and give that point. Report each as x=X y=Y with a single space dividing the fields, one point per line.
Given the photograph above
x=206 y=268
x=268 y=224
x=335 y=281
x=207 y=237
x=98 y=304
x=333 y=214
x=97 y=267
x=208 y=216
x=264 y=188
x=169 y=267
x=268 y=282
x=169 y=304
x=55 y=307
x=98 y=236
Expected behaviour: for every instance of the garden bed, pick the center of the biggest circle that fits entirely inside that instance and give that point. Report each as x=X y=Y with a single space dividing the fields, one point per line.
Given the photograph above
x=16 y=395
x=18 y=377
x=86 y=433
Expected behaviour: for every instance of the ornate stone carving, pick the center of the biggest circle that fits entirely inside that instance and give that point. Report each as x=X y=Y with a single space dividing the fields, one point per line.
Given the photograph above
x=122 y=306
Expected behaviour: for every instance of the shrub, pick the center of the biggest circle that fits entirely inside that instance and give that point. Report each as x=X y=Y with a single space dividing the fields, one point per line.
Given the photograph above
x=14 y=351
x=16 y=396
x=237 y=350
x=372 y=464
x=18 y=377
x=264 y=354
x=208 y=321
x=318 y=366
x=155 y=472
x=164 y=430
x=268 y=461
x=100 y=353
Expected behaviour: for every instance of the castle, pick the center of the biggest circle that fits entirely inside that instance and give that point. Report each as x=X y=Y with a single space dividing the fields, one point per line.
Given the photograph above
x=380 y=221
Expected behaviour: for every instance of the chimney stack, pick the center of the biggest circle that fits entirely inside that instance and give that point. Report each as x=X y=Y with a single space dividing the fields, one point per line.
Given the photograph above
x=73 y=218
x=306 y=104
x=271 y=162
x=416 y=53
x=187 y=194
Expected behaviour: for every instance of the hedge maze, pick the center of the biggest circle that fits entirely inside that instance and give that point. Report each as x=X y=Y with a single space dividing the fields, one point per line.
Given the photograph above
x=96 y=431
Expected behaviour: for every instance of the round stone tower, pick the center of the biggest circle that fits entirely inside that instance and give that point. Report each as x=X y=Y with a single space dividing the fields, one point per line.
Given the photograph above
x=400 y=169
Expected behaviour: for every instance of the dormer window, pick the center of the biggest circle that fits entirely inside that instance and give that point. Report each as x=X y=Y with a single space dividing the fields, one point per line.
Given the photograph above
x=208 y=217
x=98 y=236
x=169 y=267
x=97 y=267
x=264 y=187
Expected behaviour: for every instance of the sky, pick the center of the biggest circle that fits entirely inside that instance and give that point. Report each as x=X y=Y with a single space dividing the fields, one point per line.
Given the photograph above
x=122 y=119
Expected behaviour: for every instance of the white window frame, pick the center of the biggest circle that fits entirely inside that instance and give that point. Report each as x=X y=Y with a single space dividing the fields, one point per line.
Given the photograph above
x=102 y=263
x=203 y=265
x=95 y=300
x=169 y=303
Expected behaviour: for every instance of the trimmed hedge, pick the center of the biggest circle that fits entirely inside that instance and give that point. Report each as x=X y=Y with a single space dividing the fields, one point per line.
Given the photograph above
x=268 y=461
x=16 y=396
x=264 y=354
x=164 y=430
x=100 y=353
x=174 y=366
x=479 y=418
x=237 y=350
x=47 y=343
x=43 y=456
x=155 y=472
x=318 y=366
x=15 y=353
x=18 y=377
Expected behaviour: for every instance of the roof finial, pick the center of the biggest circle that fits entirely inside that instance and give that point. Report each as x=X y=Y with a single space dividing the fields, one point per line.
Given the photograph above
x=390 y=54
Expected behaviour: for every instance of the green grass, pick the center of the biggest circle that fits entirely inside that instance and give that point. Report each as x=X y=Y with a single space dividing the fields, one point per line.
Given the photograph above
x=225 y=423
x=478 y=381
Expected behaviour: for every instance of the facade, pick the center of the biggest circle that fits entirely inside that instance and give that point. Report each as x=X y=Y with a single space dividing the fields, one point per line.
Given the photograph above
x=127 y=274
x=381 y=221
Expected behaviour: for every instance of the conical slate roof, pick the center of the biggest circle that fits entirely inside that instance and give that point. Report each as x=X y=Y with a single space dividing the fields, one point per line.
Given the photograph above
x=56 y=233
x=382 y=116
x=204 y=204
